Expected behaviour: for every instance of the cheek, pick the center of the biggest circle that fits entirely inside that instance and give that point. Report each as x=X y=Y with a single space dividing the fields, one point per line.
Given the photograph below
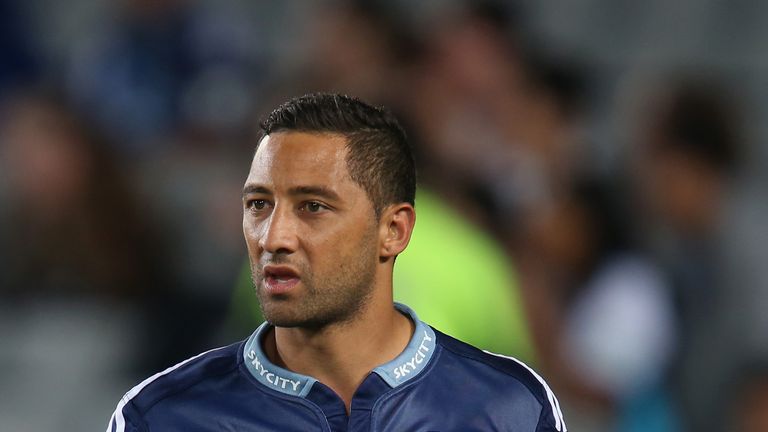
x=322 y=247
x=339 y=244
x=251 y=232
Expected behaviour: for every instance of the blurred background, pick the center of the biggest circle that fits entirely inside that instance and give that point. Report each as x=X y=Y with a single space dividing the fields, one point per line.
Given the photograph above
x=592 y=195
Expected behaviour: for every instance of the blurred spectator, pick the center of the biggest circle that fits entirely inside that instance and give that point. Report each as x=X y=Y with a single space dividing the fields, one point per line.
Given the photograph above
x=464 y=97
x=77 y=270
x=71 y=224
x=589 y=288
x=712 y=240
x=600 y=312
x=356 y=47
x=550 y=153
x=194 y=187
x=463 y=283
x=164 y=64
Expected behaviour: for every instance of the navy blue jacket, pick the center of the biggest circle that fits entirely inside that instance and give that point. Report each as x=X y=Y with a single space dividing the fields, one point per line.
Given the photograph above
x=436 y=384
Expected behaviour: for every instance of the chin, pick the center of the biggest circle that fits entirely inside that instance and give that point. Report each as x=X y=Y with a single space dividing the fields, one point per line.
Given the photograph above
x=280 y=312
x=290 y=316
x=279 y=318
x=276 y=312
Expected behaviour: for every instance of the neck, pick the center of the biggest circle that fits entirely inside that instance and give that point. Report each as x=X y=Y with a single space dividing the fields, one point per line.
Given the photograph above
x=342 y=355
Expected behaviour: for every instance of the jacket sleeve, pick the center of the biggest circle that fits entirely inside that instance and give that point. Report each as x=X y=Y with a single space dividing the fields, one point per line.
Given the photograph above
x=551 y=418
x=126 y=419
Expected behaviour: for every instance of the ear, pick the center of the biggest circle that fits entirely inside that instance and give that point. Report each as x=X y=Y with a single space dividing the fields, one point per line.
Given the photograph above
x=395 y=228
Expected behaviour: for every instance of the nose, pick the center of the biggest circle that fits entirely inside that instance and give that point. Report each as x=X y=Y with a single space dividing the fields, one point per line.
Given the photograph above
x=279 y=233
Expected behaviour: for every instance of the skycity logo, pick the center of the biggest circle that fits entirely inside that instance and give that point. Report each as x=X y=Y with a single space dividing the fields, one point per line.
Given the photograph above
x=271 y=377
x=411 y=365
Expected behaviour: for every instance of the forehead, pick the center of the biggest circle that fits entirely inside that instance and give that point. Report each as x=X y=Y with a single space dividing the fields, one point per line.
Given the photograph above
x=300 y=159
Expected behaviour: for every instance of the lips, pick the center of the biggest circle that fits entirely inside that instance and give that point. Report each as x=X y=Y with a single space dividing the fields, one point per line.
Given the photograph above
x=280 y=279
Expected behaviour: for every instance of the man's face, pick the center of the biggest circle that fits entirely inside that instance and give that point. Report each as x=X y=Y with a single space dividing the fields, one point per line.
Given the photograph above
x=310 y=230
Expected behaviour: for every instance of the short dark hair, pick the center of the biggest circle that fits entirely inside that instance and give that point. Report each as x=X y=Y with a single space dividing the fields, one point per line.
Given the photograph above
x=379 y=157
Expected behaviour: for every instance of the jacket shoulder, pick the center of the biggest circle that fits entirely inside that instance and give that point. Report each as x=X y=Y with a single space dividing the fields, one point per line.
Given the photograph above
x=506 y=372
x=172 y=381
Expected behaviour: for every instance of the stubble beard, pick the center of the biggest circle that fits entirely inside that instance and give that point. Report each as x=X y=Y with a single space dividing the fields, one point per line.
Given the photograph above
x=328 y=300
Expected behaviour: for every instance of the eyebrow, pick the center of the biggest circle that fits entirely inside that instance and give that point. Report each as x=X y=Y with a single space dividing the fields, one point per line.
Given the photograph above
x=255 y=189
x=320 y=191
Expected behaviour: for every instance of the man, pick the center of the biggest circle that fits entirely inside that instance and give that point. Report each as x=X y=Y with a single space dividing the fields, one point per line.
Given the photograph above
x=327 y=207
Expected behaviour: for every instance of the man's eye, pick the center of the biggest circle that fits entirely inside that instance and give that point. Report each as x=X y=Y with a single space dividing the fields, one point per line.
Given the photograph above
x=313 y=207
x=257 y=204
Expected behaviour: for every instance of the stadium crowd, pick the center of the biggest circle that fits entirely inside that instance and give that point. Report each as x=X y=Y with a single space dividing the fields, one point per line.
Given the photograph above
x=596 y=167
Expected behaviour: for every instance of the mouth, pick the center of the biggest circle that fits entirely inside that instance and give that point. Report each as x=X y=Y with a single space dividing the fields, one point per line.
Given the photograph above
x=280 y=279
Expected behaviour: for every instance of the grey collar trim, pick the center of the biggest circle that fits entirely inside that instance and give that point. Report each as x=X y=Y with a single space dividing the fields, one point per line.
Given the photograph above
x=403 y=368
